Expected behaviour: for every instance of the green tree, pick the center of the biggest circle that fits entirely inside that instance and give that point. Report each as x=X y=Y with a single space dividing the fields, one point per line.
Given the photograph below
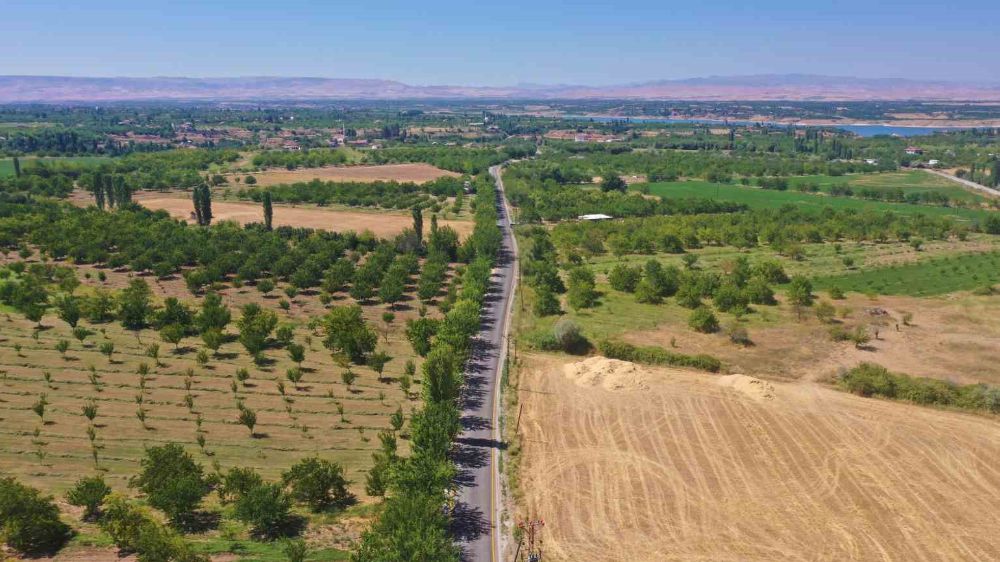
x=800 y=291
x=348 y=333
x=29 y=521
x=266 y=508
x=318 y=483
x=68 y=308
x=377 y=362
x=172 y=481
x=255 y=325
x=134 y=305
x=213 y=315
x=172 y=333
x=89 y=492
x=613 y=182
x=268 y=207
x=546 y=302
x=418 y=224
x=419 y=332
x=213 y=339
x=236 y=482
x=442 y=376
x=297 y=353
x=248 y=419
x=703 y=320
x=624 y=278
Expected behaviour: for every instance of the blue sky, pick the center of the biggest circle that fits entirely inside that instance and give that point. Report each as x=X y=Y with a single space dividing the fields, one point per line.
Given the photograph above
x=503 y=42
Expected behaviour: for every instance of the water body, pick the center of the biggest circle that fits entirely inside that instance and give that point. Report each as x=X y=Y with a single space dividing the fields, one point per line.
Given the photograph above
x=860 y=130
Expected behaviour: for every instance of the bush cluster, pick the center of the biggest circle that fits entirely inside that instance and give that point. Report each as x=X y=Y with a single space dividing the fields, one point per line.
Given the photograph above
x=653 y=355
x=869 y=379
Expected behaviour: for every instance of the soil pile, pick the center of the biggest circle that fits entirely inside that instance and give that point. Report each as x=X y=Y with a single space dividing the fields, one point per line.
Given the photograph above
x=609 y=374
x=752 y=387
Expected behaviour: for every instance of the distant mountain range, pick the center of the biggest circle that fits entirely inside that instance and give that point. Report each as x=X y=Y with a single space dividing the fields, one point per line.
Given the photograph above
x=800 y=87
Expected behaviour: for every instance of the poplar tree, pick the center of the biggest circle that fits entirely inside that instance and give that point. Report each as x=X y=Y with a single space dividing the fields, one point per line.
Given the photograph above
x=268 y=210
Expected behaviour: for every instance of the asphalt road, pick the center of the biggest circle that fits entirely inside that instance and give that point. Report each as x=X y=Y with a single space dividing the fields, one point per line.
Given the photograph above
x=476 y=520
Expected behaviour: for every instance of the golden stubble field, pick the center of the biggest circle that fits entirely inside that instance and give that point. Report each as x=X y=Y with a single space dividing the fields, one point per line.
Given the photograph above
x=661 y=464
x=382 y=223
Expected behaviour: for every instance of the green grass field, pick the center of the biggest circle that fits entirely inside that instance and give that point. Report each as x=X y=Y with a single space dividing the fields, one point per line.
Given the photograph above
x=770 y=199
x=7 y=164
x=934 y=276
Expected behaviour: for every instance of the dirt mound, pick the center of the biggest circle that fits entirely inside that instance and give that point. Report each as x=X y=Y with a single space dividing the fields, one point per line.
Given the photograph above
x=752 y=387
x=609 y=374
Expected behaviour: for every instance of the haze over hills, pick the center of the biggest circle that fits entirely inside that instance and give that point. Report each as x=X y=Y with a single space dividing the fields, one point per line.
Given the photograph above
x=800 y=87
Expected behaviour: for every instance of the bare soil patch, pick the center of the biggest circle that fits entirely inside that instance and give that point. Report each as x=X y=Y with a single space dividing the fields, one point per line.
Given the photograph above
x=688 y=469
x=416 y=173
x=381 y=223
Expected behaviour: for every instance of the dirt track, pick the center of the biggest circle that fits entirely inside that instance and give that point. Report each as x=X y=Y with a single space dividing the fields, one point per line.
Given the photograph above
x=688 y=470
x=382 y=223
x=416 y=173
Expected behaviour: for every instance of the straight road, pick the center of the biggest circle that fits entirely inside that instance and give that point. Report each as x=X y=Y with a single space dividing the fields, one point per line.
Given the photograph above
x=965 y=182
x=476 y=516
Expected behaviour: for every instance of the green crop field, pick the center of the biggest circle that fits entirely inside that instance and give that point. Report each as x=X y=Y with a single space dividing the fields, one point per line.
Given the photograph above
x=7 y=164
x=934 y=276
x=908 y=181
x=757 y=198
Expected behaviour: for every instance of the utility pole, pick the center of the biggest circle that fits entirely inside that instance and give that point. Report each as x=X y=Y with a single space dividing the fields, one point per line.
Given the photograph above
x=531 y=530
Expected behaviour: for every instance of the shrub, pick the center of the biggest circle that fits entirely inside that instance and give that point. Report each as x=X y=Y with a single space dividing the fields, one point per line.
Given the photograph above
x=653 y=355
x=567 y=336
x=703 y=320
x=825 y=312
x=29 y=521
x=869 y=379
x=739 y=335
x=134 y=529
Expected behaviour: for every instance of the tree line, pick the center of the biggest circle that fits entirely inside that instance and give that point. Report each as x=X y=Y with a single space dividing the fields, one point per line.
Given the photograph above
x=412 y=523
x=386 y=194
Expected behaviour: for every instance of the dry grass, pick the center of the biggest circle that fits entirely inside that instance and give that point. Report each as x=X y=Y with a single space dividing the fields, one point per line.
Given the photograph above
x=416 y=173
x=951 y=337
x=687 y=469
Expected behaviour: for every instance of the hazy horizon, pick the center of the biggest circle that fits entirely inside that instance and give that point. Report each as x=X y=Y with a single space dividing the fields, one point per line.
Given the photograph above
x=447 y=42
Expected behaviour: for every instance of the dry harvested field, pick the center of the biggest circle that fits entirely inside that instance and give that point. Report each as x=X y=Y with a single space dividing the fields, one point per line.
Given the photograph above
x=381 y=223
x=416 y=173
x=660 y=464
x=952 y=337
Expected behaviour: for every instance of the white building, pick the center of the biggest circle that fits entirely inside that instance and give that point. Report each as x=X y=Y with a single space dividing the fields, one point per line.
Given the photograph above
x=594 y=217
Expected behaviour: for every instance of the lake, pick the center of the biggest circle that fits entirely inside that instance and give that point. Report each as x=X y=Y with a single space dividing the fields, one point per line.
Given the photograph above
x=860 y=130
